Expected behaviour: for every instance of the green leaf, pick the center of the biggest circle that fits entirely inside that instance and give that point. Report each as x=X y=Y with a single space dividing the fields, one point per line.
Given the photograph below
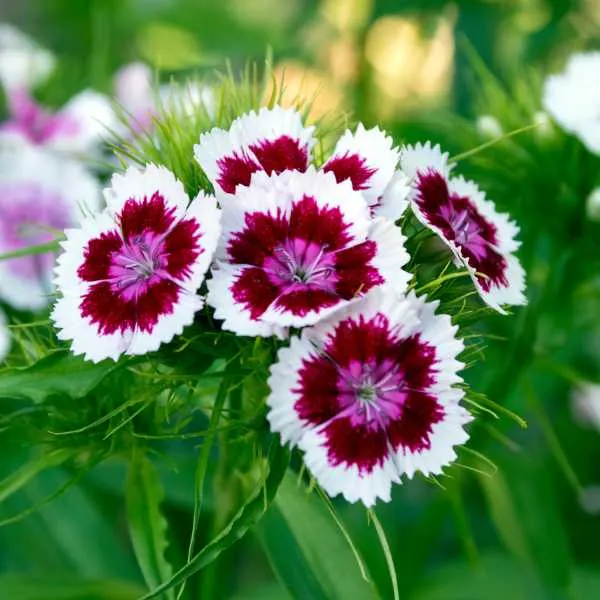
x=59 y=373
x=248 y=515
x=16 y=480
x=147 y=526
x=28 y=587
x=91 y=547
x=308 y=550
x=523 y=506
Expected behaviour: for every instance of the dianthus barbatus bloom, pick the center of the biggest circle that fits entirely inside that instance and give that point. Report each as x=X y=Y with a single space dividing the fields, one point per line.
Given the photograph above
x=39 y=194
x=272 y=140
x=368 y=395
x=4 y=337
x=297 y=246
x=78 y=127
x=572 y=98
x=129 y=276
x=479 y=237
x=368 y=159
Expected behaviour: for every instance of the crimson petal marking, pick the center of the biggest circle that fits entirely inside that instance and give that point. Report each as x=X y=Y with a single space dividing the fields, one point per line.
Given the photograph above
x=235 y=170
x=281 y=154
x=353 y=167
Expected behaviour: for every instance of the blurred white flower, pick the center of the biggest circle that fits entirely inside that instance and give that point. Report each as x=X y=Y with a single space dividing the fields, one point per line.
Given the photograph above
x=585 y=404
x=78 y=127
x=40 y=193
x=4 y=338
x=572 y=98
x=488 y=126
x=139 y=97
x=592 y=205
x=23 y=63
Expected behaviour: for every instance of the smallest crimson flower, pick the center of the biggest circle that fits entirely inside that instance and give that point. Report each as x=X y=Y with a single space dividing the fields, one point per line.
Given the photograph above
x=479 y=237
x=129 y=276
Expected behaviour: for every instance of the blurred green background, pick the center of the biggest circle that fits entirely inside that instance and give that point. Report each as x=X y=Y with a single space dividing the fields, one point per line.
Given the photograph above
x=424 y=69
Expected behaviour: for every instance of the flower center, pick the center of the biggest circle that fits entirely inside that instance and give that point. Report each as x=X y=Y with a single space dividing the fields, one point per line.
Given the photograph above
x=140 y=262
x=467 y=231
x=298 y=262
x=372 y=392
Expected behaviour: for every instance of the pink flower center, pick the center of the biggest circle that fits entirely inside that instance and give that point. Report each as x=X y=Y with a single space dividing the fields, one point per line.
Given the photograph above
x=297 y=264
x=372 y=393
x=138 y=265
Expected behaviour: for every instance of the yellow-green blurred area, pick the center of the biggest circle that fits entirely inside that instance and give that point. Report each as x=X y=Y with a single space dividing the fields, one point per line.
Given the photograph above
x=377 y=58
x=525 y=524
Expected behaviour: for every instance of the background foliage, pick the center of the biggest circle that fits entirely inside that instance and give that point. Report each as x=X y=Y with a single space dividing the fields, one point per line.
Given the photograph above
x=523 y=527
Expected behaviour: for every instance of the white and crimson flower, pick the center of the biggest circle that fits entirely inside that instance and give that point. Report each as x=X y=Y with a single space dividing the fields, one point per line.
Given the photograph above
x=368 y=159
x=295 y=247
x=78 y=127
x=573 y=96
x=479 y=237
x=272 y=140
x=40 y=194
x=369 y=395
x=129 y=276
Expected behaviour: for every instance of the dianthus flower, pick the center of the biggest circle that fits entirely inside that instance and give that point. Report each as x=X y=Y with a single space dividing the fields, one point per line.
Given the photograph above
x=370 y=395
x=129 y=276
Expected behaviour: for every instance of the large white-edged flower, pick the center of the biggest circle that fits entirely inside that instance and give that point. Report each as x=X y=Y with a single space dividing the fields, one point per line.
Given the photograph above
x=369 y=395
x=296 y=247
x=572 y=98
x=40 y=195
x=480 y=238
x=129 y=276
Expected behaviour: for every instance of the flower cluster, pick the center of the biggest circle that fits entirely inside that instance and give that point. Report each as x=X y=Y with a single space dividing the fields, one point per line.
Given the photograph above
x=312 y=253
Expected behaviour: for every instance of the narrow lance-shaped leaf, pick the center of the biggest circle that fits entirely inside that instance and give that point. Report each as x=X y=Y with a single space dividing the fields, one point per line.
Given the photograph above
x=248 y=515
x=308 y=550
x=147 y=526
